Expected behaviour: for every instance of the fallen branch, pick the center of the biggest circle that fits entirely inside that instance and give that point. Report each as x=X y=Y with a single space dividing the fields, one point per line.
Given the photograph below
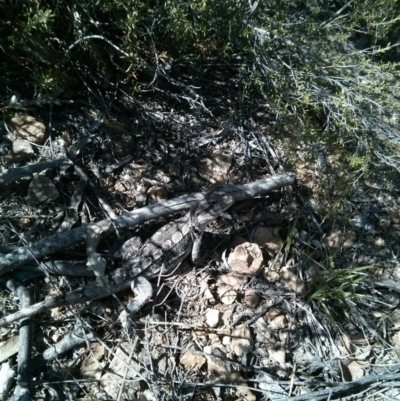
x=64 y=240
x=24 y=376
x=17 y=173
x=75 y=338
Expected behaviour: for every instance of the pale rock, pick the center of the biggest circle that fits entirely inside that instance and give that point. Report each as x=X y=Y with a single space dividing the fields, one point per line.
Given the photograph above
x=396 y=339
x=121 y=369
x=226 y=340
x=277 y=356
x=289 y=278
x=246 y=259
x=284 y=336
x=214 y=338
x=357 y=369
x=233 y=280
x=212 y=317
x=7 y=376
x=9 y=348
x=268 y=239
x=242 y=342
x=119 y=187
x=148 y=395
x=91 y=368
x=21 y=147
x=216 y=360
x=216 y=167
x=26 y=127
x=192 y=361
x=205 y=290
x=276 y=319
x=226 y=295
x=251 y=298
x=24 y=222
x=271 y=276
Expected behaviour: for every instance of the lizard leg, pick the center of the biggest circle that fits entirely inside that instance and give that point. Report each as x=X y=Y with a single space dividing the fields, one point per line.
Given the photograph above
x=196 y=231
x=197 y=237
x=144 y=291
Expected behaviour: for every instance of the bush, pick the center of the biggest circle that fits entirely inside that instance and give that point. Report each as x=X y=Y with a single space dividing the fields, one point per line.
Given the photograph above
x=328 y=67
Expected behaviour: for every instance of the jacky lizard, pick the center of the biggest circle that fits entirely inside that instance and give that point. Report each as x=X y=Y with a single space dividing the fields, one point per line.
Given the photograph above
x=158 y=257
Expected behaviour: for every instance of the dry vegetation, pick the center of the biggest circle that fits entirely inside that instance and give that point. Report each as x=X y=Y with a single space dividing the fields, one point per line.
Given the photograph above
x=110 y=106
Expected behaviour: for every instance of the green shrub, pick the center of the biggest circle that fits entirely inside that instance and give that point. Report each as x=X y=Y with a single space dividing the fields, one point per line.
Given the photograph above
x=324 y=66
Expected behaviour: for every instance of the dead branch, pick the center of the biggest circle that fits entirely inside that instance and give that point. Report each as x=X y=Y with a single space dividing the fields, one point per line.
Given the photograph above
x=14 y=174
x=63 y=240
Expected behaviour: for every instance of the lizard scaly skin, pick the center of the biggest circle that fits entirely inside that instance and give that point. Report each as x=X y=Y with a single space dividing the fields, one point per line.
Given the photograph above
x=159 y=256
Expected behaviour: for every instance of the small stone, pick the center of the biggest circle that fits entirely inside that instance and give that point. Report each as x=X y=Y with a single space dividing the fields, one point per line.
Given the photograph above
x=120 y=370
x=357 y=369
x=246 y=259
x=271 y=276
x=226 y=295
x=212 y=317
x=277 y=356
x=26 y=127
x=9 y=348
x=289 y=278
x=268 y=239
x=7 y=377
x=251 y=298
x=24 y=222
x=141 y=199
x=233 y=280
x=242 y=342
x=148 y=395
x=396 y=339
x=217 y=166
x=216 y=359
x=349 y=239
x=191 y=361
x=337 y=239
x=276 y=319
x=21 y=147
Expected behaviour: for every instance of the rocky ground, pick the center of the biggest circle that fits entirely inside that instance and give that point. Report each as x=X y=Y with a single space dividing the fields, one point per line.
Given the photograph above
x=298 y=291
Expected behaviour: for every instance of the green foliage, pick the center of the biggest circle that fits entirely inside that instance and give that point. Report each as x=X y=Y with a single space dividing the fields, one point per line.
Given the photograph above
x=324 y=66
x=331 y=288
x=312 y=72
